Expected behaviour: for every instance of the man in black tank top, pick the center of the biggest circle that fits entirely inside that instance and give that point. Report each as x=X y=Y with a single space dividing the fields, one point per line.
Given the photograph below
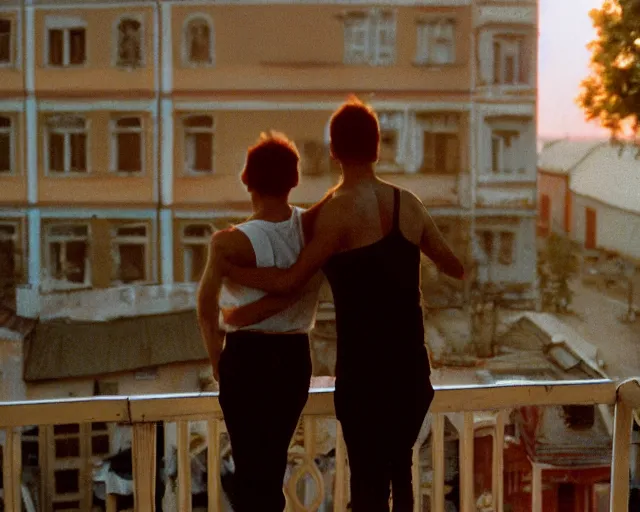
x=367 y=239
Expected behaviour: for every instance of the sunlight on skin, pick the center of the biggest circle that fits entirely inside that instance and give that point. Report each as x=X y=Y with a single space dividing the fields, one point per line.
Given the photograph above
x=565 y=30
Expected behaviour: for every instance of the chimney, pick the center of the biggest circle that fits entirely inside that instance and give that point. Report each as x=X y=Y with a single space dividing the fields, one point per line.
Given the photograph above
x=27 y=301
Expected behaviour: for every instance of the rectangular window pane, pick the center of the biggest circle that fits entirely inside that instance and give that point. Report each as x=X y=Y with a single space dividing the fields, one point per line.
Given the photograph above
x=5 y=41
x=77 y=46
x=76 y=261
x=67 y=481
x=129 y=155
x=7 y=260
x=5 y=152
x=78 y=152
x=132 y=263
x=56 y=152
x=203 y=152
x=56 y=47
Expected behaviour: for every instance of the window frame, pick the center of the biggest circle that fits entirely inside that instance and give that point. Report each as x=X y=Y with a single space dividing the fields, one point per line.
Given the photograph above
x=11 y=131
x=14 y=238
x=13 y=41
x=497 y=233
x=50 y=238
x=186 y=40
x=66 y=24
x=425 y=39
x=115 y=42
x=49 y=130
x=392 y=121
x=440 y=123
x=117 y=240
x=506 y=44
x=115 y=131
x=187 y=241
x=374 y=24
x=186 y=131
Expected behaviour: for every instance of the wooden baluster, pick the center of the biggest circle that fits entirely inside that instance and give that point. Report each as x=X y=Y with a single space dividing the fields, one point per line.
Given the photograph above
x=467 y=499
x=12 y=470
x=497 y=477
x=417 y=481
x=437 y=458
x=184 y=466
x=628 y=397
x=144 y=466
x=536 y=488
x=340 y=491
x=214 y=487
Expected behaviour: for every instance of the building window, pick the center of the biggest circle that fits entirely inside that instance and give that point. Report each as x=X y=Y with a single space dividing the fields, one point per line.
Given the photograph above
x=509 y=60
x=8 y=255
x=198 y=41
x=391 y=124
x=436 y=42
x=67 y=255
x=129 y=49
x=440 y=144
x=66 y=42
x=195 y=240
x=67 y=150
x=7 y=138
x=370 y=37
x=506 y=157
x=198 y=142
x=498 y=246
x=312 y=155
x=127 y=148
x=6 y=42
x=130 y=254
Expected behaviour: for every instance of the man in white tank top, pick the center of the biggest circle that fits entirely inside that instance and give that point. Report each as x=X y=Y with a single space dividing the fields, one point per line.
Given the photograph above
x=272 y=354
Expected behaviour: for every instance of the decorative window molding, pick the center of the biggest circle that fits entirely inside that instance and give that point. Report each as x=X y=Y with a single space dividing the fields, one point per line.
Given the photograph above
x=7 y=144
x=198 y=41
x=129 y=42
x=131 y=254
x=498 y=245
x=127 y=145
x=8 y=42
x=509 y=60
x=392 y=125
x=195 y=246
x=67 y=145
x=65 y=41
x=436 y=42
x=67 y=256
x=370 y=37
x=199 y=139
x=440 y=141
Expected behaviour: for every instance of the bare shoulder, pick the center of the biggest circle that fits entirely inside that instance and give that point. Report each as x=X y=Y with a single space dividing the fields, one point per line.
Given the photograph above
x=336 y=209
x=232 y=243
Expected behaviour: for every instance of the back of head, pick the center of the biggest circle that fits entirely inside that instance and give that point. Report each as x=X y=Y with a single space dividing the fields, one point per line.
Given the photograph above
x=355 y=133
x=271 y=168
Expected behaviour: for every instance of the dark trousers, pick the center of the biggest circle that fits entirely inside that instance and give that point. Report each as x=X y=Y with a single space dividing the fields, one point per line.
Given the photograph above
x=264 y=386
x=380 y=428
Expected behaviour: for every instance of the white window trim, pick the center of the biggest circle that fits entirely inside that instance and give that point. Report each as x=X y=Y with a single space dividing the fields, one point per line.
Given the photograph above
x=145 y=240
x=114 y=131
x=65 y=23
x=186 y=61
x=190 y=241
x=501 y=39
x=494 y=257
x=187 y=170
x=115 y=42
x=49 y=238
x=503 y=172
x=374 y=23
x=423 y=48
x=67 y=154
x=392 y=121
x=14 y=42
x=12 y=144
x=445 y=122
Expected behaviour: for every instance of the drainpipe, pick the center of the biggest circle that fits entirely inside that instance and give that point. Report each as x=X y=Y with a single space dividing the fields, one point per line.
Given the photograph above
x=158 y=136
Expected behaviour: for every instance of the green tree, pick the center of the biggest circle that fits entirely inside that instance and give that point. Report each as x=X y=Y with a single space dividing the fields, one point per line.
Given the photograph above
x=557 y=264
x=611 y=92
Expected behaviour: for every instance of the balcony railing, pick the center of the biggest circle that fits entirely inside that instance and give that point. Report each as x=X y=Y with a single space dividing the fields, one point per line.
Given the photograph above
x=142 y=412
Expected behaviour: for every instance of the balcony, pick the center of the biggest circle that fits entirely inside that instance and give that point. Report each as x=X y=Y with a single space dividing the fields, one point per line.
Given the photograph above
x=467 y=403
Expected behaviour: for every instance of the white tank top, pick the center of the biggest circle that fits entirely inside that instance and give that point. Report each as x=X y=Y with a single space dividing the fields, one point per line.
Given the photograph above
x=275 y=244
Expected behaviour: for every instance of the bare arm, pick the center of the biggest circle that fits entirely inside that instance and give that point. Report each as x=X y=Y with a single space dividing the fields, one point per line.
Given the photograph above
x=207 y=306
x=327 y=240
x=267 y=306
x=435 y=247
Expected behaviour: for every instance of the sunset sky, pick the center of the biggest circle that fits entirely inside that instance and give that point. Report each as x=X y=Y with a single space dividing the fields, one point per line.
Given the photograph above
x=565 y=29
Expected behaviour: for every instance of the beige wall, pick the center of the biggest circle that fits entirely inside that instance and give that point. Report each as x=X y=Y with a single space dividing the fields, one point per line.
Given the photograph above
x=13 y=187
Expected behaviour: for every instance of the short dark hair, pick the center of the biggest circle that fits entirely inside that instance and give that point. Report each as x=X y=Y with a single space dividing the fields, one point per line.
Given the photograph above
x=271 y=168
x=355 y=132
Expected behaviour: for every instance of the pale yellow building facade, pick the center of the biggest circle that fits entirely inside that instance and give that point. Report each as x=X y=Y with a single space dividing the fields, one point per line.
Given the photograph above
x=124 y=125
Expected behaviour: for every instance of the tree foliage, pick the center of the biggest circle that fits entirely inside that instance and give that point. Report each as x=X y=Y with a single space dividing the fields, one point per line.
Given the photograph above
x=557 y=264
x=611 y=92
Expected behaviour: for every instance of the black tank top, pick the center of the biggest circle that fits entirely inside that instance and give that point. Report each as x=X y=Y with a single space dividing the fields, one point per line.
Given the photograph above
x=378 y=303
